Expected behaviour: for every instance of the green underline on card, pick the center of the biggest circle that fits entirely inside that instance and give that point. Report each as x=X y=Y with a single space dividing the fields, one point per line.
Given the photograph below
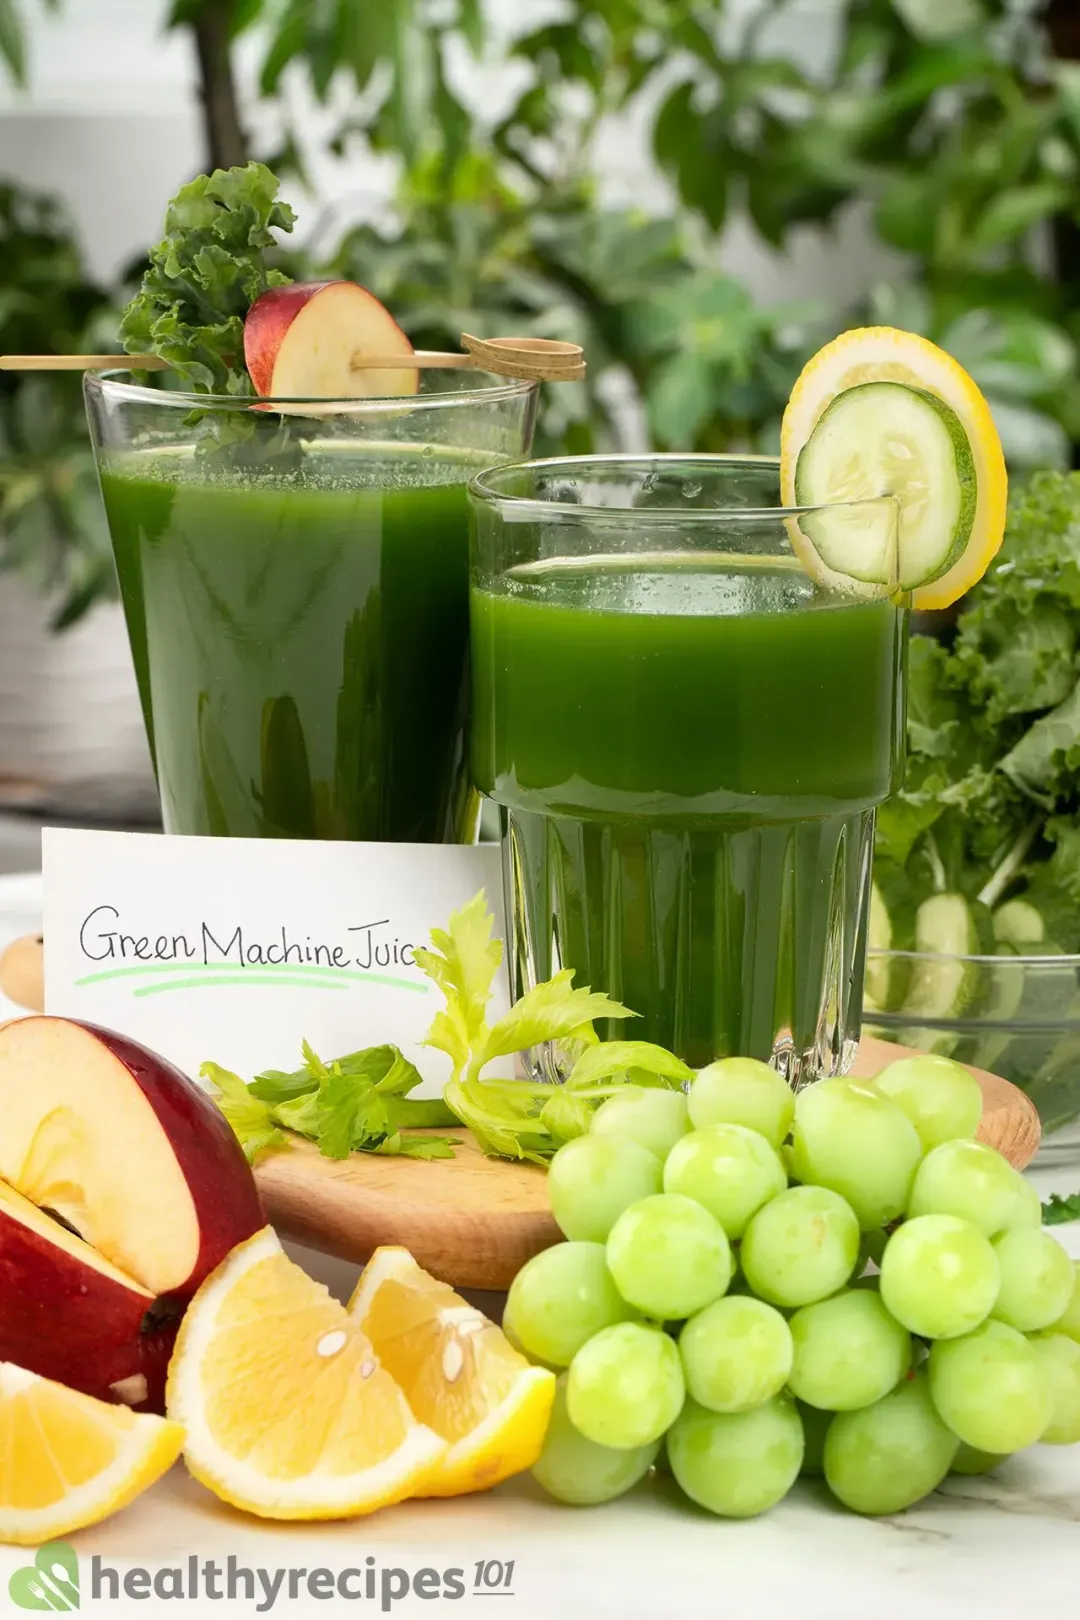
x=266 y=972
x=241 y=976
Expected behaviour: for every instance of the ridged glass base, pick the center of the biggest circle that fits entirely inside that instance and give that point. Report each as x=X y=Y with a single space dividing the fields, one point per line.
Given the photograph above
x=739 y=939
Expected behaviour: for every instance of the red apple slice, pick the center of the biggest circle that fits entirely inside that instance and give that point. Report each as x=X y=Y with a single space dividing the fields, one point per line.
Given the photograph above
x=308 y=340
x=125 y=1149
x=68 y=1314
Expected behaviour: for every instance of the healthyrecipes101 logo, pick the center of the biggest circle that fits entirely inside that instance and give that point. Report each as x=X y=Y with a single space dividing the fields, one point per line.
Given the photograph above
x=52 y=1582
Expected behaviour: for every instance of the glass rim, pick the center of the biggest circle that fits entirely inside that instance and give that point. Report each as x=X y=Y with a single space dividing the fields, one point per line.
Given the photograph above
x=110 y=384
x=482 y=488
x=1072 y=958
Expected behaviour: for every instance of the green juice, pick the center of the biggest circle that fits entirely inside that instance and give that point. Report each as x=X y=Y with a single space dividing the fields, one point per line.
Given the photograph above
x=687 y=753
x=300 y=641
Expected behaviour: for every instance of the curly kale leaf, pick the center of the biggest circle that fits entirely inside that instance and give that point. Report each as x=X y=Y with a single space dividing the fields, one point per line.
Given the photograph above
x=205 y=275
x=1016 y=657
x=1045 y=762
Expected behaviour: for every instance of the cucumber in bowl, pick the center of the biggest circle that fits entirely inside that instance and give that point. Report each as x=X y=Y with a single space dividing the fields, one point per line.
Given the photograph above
x=944 y=983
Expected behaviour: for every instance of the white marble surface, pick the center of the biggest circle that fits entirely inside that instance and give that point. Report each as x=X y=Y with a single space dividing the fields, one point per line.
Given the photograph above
x=994 y=1547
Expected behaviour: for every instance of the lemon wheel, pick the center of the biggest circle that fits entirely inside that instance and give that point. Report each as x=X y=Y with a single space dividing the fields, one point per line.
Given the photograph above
x=884 y=413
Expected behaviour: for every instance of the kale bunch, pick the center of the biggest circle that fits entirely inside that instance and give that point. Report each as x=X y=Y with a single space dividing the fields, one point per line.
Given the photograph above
x=990 y=801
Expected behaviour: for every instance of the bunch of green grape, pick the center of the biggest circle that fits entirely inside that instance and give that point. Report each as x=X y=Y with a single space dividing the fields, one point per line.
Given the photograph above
x=842 y=1283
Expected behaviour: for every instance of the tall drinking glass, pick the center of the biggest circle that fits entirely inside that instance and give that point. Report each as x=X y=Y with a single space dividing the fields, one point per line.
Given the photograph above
x=687 y=737
x=295 y=580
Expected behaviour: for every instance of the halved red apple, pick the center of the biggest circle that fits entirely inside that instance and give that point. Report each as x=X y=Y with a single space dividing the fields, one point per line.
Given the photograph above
x=130 y=1155
x=308 y=339
x=68 y=1314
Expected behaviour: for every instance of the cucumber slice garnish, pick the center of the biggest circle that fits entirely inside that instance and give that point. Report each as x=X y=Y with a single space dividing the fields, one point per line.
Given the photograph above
x=885 y=438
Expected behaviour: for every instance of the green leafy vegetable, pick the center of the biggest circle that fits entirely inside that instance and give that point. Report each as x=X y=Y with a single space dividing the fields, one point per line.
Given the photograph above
x=1058 y=1209
x=205 y=275
x=991 y=788
x=248 y=1115
x=638 y=1062
x=359 y=1103
x=518 y=1119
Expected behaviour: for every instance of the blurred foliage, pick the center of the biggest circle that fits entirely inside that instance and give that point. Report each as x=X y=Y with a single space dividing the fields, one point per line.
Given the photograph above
x=51 y=522
x=952 y=121
x=948 y=121
x=663 y=330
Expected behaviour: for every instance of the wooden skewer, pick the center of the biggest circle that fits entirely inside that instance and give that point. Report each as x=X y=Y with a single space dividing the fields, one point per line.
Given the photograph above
x=81 y=362
x=530 y=359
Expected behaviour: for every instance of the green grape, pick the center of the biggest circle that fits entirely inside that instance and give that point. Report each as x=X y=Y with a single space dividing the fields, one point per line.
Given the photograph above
x=801 y=1247
x=856 y=1142
x=592 y=1179
x=729 y=1169
x=735 y=1354
x=849 y=1352
x=941 y=1098
x=991 y=1388
x=515 y=1340
x=737 y=1464
x=574 y=1469
x=883 y=1458
x=1036 y=1279
x=1059 y=1359
x=625 y=1387
x=1069 y=1321
x=973 y=1182
x=743 y=1091
x=815 y=1424
x=560 y=1298
x=970 y=1461
x=648 y=1115
x=669 y=1257
x=939 y=1276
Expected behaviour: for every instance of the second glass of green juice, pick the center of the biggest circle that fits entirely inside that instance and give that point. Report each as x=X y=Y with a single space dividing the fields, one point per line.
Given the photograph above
x=687 y=730
x=295 y=581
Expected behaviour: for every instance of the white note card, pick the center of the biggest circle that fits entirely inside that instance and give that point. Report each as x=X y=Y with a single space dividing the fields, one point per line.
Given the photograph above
x=236 y=950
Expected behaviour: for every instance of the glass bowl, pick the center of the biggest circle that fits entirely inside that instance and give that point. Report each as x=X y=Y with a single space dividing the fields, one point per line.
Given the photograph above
x=1018 y=1016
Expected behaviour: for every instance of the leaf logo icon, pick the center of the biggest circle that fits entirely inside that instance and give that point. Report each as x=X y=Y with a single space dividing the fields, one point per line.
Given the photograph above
x=50 y=1582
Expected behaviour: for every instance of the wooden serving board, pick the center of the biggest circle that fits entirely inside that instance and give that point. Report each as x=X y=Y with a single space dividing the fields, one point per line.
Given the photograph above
x=470 y=1221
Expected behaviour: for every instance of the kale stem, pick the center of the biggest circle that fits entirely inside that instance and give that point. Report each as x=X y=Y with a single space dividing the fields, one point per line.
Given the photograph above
x=937 y=865
x=1003 y=874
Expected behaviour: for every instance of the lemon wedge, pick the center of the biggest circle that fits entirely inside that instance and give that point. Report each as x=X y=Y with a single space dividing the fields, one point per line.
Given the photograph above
x=68 y=1461
x=288 y=1411
x=459 y=1371
x=881 y=412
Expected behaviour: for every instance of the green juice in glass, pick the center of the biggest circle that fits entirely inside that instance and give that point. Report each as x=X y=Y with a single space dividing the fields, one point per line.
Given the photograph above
x=300 y=640
x=687 y=752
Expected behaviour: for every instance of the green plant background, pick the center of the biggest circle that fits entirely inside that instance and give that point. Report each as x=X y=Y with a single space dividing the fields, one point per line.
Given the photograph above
x=954 y=125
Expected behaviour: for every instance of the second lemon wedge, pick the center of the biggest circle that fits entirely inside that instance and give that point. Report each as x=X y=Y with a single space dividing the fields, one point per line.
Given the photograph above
x=459 y=1372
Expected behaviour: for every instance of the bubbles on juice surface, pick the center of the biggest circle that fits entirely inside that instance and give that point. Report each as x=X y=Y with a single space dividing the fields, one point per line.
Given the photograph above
x=681 y=585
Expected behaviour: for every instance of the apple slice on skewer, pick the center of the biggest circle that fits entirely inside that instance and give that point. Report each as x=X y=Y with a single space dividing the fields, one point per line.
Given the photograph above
x=307 y=340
